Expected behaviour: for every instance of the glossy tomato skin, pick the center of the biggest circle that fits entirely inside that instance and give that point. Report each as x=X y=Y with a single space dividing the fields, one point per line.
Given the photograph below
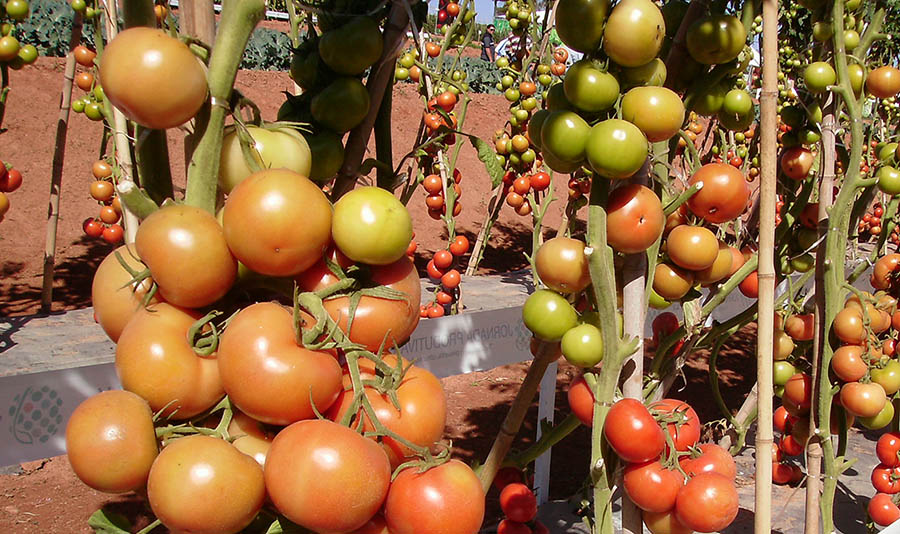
x=632 y=432
x=634 y=33
x=883 y=82
x=657 y=111
x=352 y=47
x=707 y=503
x=518 y=502
x=615 y=148
x=712 y=459
x=672 y=282
x=326 y=477
x=139 y=72
x=716 y=39
x=652 y=487
x=886 y=479
x=863 y=400
x=294 y=238
x=581 y=401
x=588 y=88
x=562 y=265
x=154 y=360
x=185 y=249
x=267 y=375
x=565 y=134
x=548 y=315
x=685 y=431
x=580 y=23
x=281 y=148
x=796 y=162
x=692 y=247
x=114 y=300
x=111 y=442
x=724 y=195
x=887 y=448
x=447 y=499
x=250 y=437
x=720 y=268
x=371 y=226
x=422 y=414
x=635 y=218
x=201 y=484
x=382 y=320
x=882 y=509
x=664 y=523
x=341 y=105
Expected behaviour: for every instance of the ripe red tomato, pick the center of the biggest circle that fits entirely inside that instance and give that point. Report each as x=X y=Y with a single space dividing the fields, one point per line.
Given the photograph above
x=886 y=479
x=459 y=246
x=652 y=487
x=506 y=476
x=420 y=418
x=115 y=301
x=10 y=180
x=635 y=218
x=155 y=360
x=887 y=449
x=781 y=472
x=518 y=502
x=781 y=418
x=203 y=484
x=137 y=75
x=267 y=375
x=707 y=503
x=451 y=279
x=113 y=234
x=883 y=510
x=796 y=162
x=884 y=271
x=685 y=431
x=581 y=401
x=713 y=459
x=447 y=499
x=798 y=390
x=562 y=265
x=326 y=477
x=540 y=181
x=185 y=249
x=632 y=432
x=750 y=285
x=848 y=364
x=91 y=226
x=111 y=442
x=724 y=195
x=508 y=526
x=791 y=446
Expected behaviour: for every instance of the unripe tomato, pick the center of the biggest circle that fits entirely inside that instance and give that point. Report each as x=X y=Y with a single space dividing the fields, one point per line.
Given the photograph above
x=634 y=33
x=272 y=149
x=657 y=111
x=616 y=148
x=562 y=265
x=716 y=39
x=548 y=315
x=692 y=247
x=590 y=89
x=371 y=225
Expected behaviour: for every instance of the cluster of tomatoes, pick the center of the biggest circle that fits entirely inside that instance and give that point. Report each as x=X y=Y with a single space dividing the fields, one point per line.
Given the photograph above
x=448 y=11
x=91 y=103
x=517 y=188
x=13 y=53
x=871 y=221
x=10 y=180
x=886 y=479
x=103 y=190
x=440 y=269
x=519 y=505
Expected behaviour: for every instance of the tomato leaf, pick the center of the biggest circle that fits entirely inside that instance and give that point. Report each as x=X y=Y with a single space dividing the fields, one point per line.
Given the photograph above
x=283 y=526
x=487 y=156
x=107 y=522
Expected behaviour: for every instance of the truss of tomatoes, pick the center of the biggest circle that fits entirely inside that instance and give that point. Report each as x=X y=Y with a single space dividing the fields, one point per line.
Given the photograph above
x=10 y=180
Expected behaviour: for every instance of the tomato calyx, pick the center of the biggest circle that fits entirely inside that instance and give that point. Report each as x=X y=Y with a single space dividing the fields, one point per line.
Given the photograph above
x=137 y=279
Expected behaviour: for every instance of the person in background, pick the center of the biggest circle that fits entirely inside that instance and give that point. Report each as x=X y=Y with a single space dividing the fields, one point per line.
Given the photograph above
x=487 y=44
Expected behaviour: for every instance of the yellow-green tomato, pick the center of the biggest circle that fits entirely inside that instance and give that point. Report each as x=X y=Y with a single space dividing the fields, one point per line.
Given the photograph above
x=634 y=33
x=657 y=111
x=653 y=73
x=616 y=149
x=880 y=420
x=583 y=345
x=589 y=88
x=548 y=315
x=716 y=39
x=371 y=225
x=889 y=180
x=271 y=148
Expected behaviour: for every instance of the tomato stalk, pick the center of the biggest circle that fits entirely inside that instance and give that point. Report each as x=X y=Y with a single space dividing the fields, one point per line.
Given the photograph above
x=4 y=89
x=550 y=436
x=239 y=18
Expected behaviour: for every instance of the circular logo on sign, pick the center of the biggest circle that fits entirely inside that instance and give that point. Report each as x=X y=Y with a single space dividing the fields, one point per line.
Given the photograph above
x=35 y=415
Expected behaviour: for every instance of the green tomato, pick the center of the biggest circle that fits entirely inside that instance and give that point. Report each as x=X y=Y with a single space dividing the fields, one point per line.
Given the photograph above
x=342 y=105
x=78 y=5
x=502 y=62
x=851 y=39
x=556 y=98
x=279 y=148
x=583 y=345
x=803 y=263
x=822 y=31
x=9 y=48
x=709 y=100
x=565 y=135
x=885 y=152
x=507 y=81
x=535 y=125
x=407 y=60
x=579 y=23
x=881 y=420
x=29 y=54
x=634 y=33
x=808 y=136
x=548 y=315
x=887 y=377
x=327 y=155
x=17 y=9
x=94 y=111
x=657 y=302
x=616 y=149
x=529 y=103
x=370 y=225
x=818 y=76
x=806 y=238
x=514 y=159
x=528 y=156
x=857 y=75
x=653 y=73
x=739 y=137
x=512 y=94
x=737 y=102
x=545 y=79
x=305 y=68
x=782 y=371
x=353 y=47
x=401 y=74
x=78 y=106
x=521 y=115
x=89 y=13
x=889 y=180
x=814 y=112
x=793 y=116
x=716 y=39
x=543 y=68
x=590 y=89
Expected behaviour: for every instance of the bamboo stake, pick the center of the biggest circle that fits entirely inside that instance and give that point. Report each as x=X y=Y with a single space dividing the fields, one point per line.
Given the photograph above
x=766 y=319
x=59 y=155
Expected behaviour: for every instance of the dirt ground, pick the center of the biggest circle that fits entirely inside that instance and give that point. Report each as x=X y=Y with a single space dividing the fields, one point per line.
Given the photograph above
x=45 y=496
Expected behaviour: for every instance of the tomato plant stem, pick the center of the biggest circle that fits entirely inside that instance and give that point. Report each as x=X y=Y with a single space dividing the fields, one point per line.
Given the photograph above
x=383 y=148
x=239 y=18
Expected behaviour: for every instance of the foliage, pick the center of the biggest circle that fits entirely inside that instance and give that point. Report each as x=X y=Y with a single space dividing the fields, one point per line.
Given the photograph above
x=267 y=50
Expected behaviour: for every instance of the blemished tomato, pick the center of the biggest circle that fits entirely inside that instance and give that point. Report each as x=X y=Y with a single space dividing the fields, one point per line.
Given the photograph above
x=887 y=449
x=294 y=239
x=447 y=499
x=562 y=265
x=341 y=105
x=671 y=282
x=883 y=510
x=372 y=226
x=635 y=218
x=203 y=484
x=848 y=364
x=652 y=487
x=422 y=413
x=565 y=134
x=657 y=111
x=185 y=249
x=712 y=459
x=353 y=47
x=137 y=74
x=692 y=247
x=707 y=503
x=664 y=523
x=886 y=479
x=111 y=442
x=616 y=148
x=155 y=360
x=724 y=195
x=634 y=33
x=716 y=39
x=863 y=400
x=581 y=401
x=518 y=502
x=115 y=301
x=590 y=89
x=326 y=477
x=84 y=56
x=579 y=24
x=685 y=431
x=632 y=432
x=548 y=315
x=382 y=320
x=267 y=375
x=883 y=82
x=272 y=149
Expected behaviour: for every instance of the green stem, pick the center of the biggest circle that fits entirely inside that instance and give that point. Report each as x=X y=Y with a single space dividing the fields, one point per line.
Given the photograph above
x=4 y=89
x=149 y=528
x=239 y=18
x=549 y=438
